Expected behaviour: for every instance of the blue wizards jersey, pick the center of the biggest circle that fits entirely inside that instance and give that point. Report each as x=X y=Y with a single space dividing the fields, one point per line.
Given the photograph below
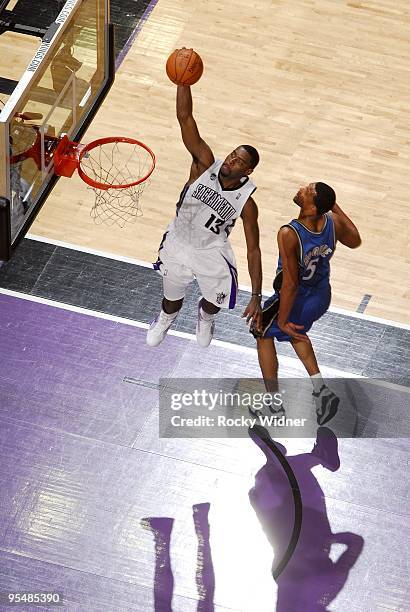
x=315 y=251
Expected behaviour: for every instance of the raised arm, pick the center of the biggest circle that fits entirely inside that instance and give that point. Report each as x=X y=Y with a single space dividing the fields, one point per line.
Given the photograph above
x=346 y=231
x=251 y=228
x=200 y=151
x=289 y=252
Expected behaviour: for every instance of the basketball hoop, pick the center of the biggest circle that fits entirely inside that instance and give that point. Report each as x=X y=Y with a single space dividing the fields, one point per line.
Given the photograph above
x=116 y=168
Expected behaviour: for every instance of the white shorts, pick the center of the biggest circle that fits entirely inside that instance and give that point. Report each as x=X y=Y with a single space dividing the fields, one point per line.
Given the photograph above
x=214 y=269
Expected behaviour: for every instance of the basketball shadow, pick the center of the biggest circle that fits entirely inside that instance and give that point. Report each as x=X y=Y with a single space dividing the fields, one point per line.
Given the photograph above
x=310 y=580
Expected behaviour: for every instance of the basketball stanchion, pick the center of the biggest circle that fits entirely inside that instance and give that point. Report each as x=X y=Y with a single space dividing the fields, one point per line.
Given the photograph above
x=5 y=230
x=116 y=168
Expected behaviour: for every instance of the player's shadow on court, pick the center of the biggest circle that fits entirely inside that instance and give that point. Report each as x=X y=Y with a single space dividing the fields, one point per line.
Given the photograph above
x=161 y=528
x=311 y=579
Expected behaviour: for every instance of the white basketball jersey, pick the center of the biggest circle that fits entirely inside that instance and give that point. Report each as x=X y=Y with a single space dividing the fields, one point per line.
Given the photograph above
x=206 y=212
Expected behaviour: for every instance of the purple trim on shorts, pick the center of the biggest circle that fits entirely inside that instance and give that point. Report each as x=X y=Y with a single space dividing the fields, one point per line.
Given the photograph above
x=136 y=31
x=234 y=284
x=157 y=264
x=232 y=297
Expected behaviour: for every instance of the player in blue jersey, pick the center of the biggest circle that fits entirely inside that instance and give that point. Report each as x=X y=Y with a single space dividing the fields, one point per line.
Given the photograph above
x=302 y=288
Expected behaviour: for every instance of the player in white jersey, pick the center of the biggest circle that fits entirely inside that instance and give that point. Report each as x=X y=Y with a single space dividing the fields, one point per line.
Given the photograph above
x=196 y=243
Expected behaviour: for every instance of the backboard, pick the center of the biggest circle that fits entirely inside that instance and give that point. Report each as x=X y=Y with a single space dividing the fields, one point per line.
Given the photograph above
x=59 y=93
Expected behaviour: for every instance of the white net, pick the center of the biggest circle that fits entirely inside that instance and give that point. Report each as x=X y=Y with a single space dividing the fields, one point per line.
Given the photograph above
x=112 y=164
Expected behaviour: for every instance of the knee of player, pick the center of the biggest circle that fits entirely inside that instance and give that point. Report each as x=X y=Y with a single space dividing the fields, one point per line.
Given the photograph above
x=262 y=341
x=266 y=344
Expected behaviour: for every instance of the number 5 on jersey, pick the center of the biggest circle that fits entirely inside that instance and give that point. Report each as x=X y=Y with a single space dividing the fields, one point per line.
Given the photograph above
x=311 y=268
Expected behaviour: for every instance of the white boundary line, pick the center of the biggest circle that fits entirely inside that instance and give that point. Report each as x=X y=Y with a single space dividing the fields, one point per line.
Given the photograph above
x=145 y=264
x=335 y=373
x=76 y=247
x=328 y=372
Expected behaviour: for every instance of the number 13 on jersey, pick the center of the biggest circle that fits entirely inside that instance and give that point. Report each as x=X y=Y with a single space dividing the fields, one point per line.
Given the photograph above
x=214 y=224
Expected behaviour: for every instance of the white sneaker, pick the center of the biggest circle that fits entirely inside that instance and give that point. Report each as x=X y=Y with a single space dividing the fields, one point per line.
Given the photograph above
x=159 y=327
x=204 y=329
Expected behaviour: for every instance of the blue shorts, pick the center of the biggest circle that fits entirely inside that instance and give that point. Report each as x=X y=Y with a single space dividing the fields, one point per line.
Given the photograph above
x=310 y=304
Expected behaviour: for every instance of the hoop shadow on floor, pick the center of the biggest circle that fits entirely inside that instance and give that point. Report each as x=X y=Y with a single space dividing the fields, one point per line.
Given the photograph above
x=310 y=580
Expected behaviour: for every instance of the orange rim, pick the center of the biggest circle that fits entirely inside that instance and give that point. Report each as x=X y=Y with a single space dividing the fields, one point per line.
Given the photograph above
x=101 y=141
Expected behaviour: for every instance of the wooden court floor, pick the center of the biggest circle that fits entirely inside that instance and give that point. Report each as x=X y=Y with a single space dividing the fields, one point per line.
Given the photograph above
x=321 y=88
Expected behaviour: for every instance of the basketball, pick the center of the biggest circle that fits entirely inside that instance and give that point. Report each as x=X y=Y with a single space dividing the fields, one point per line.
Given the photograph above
x=184 y=67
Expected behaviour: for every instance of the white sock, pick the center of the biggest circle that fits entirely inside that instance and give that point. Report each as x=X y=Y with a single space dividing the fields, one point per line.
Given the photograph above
x=205 y=315
x=171 y=316
x=317 y=382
